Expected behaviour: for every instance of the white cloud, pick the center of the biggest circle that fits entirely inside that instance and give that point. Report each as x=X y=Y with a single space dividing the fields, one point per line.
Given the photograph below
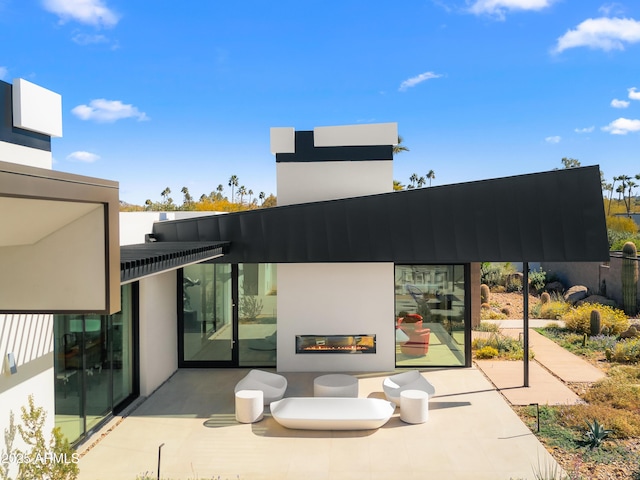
x=601 y=33
x=615 y=103
x=107 y=111
x=413 y=81
x=611 y=8
x=89 y=12
x=83 y=156
x=554 y=139
x=499 y=8
x=633 y=95
x=622 y=126
x=585 y=130
x=85 y=39
x=3 y=72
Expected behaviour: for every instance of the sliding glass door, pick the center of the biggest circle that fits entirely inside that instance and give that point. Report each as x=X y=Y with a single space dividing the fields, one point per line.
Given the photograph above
x=228 y=315
x=94 y=367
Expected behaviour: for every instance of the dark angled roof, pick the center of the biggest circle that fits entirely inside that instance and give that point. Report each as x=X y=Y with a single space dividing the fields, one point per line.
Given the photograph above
x=137 y=261
x=550 y=216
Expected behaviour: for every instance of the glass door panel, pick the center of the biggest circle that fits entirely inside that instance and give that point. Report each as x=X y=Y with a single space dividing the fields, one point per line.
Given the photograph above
x=96 y=372
x=257 y=296
x=68 y=376
x=430 y=315
x=208 y=313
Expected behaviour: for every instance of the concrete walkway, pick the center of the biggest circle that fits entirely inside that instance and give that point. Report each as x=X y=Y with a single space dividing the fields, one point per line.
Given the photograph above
x=549 y=372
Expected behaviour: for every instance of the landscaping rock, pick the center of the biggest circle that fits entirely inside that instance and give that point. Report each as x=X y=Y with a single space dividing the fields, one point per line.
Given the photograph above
x=575 y=294
x=557 y=287
x=598 y=299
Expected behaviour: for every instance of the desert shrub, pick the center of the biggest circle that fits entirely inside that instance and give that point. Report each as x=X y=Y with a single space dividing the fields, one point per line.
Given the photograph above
x=513 y=283
x=578 y=319
x=488 y=313
x=538 y=279
x=618 y=238
x=491 y=274
x=625 y=351
x=507 y=347
x=487 y=352
x=622 y=423
x=487 y=327
x=617 y=392
x=554 y=309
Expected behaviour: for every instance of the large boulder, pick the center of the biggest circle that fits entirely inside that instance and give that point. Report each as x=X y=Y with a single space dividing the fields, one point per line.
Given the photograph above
x=575 y=294
x=598 y=299
x=556 y=287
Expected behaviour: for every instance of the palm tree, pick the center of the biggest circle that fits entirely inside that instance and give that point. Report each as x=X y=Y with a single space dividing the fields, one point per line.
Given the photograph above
x=250 y=193
x=165 y=195
x=233 y=182
x=242 y=191
x=399 y=148
x=431 y=175
x=421 y=182
x=219 y=190
x=261 y=196
x=188 y=200
x=413 y=179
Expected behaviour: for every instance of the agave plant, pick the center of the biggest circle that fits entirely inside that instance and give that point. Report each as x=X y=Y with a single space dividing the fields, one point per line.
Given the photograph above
x=596 y=433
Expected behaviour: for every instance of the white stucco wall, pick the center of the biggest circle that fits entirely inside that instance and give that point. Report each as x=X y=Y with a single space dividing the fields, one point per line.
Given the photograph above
x=314 y=181
x=336 y=299
x=30 y=339
x=158 y=331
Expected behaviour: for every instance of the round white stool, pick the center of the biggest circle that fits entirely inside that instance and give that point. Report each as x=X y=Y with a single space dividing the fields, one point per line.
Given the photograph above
x=414 y=406
x=335 y=385
x=249 y=406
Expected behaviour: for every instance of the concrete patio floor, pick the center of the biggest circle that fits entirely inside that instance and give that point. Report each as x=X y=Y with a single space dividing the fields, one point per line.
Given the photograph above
x=472 y=433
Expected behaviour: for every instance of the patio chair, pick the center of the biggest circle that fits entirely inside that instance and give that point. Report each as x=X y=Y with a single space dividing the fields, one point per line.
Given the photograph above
x=411 y=380
x=272 y=385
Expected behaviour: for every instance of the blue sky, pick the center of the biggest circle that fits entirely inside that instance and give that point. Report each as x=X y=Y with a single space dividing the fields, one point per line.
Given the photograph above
x=175 y=94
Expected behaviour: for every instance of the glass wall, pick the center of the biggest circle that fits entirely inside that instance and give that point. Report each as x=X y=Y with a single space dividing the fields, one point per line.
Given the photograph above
x=257 y=293
x=216 y=330
x=207 y=326
x=94 y=366
x=430 y=315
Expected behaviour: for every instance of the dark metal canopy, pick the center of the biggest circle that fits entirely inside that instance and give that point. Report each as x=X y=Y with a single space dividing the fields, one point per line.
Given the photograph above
x=550 y=216
x=142 y=260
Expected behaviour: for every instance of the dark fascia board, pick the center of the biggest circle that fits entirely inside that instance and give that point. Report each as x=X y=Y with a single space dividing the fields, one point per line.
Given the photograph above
x=20 y=181
x=549 y=216
x=11 y=134
x=146 y=259
x=306 y=151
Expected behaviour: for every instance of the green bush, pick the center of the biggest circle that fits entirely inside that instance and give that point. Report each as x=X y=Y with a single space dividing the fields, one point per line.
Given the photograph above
x=487 y=327
x=618 y=238
x=538 y=280
x=578 y=319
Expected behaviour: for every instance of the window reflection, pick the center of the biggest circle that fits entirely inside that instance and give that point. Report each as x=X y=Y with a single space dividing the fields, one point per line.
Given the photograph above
x=430 y=313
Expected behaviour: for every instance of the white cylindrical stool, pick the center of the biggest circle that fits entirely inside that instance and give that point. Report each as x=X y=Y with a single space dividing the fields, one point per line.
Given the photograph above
x=335 y=385
x=249 y=406
x=414 y=406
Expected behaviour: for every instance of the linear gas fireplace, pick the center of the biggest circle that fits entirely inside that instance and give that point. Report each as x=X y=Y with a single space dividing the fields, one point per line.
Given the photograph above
x=335 y=344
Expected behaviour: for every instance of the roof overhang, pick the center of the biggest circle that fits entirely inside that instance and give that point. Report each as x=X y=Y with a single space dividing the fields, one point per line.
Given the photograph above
x=59 y=242
x=549 y=216
x=147 y=259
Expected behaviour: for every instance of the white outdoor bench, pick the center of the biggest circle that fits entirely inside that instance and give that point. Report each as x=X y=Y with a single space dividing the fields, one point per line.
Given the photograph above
x=332 y=413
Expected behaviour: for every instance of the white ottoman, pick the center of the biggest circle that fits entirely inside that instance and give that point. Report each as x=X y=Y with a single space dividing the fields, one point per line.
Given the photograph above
x=249 y=406
x=414 y=406
x=335 y=385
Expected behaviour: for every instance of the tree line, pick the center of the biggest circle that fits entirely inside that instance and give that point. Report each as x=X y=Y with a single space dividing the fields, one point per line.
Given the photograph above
x=241 y=198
